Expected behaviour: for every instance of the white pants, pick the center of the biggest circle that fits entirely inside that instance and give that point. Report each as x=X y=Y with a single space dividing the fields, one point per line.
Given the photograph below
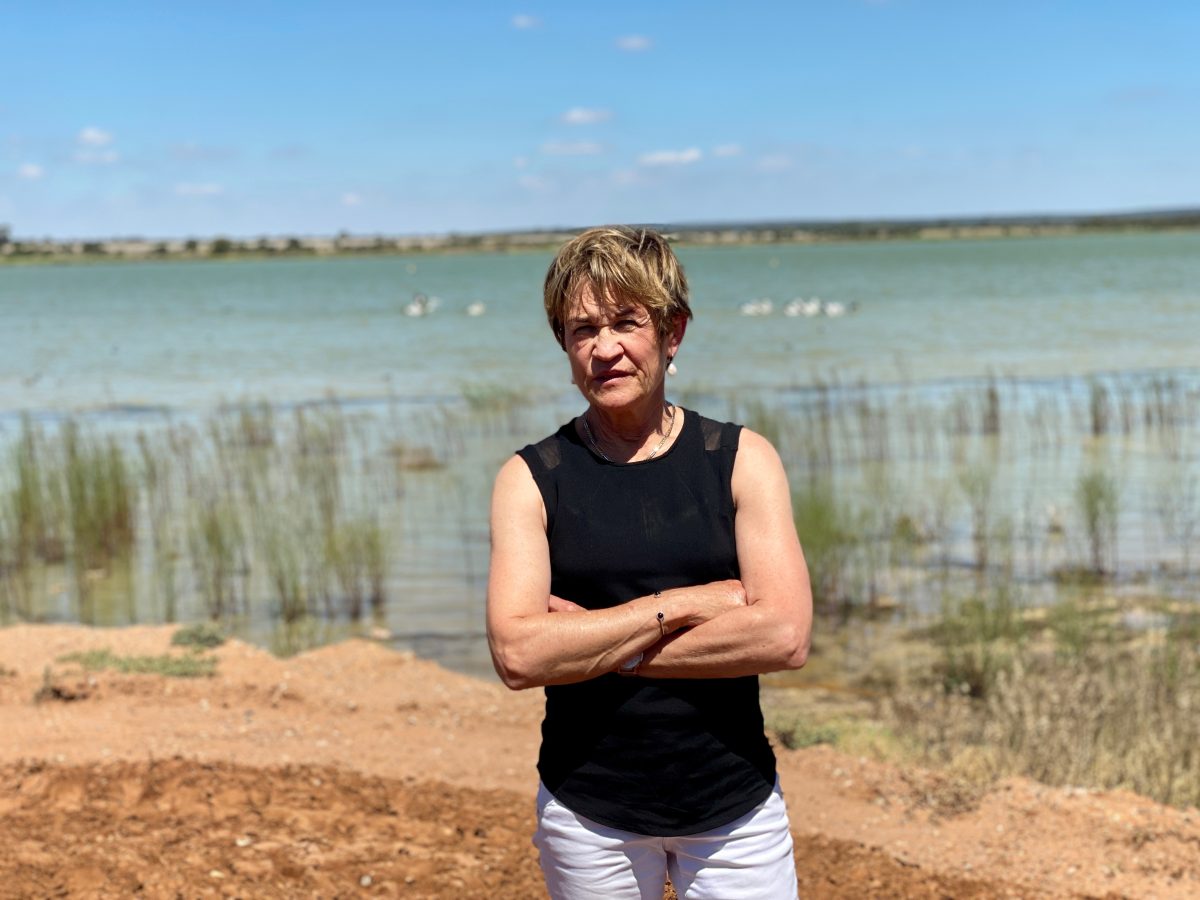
x=748 y=859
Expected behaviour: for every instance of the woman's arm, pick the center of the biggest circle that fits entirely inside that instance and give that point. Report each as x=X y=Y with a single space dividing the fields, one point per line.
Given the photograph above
x=532 y=645
x=773 y=631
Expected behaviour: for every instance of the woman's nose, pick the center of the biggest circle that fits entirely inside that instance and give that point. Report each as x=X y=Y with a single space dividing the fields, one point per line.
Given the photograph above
x=607 y=346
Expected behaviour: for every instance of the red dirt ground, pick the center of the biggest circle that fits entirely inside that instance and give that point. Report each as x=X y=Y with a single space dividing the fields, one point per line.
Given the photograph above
x=357 y=771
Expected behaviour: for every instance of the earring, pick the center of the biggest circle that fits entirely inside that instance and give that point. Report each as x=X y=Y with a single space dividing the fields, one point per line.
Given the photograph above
x=671 y=367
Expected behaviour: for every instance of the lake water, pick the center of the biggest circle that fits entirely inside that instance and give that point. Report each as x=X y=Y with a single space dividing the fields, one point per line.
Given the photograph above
x=131 y=346
x=188 y=335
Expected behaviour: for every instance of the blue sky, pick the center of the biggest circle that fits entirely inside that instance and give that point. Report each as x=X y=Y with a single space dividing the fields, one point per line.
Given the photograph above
x=267 y=118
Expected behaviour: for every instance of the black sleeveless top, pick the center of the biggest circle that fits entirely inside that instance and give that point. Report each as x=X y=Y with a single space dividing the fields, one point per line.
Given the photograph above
x=654 y=756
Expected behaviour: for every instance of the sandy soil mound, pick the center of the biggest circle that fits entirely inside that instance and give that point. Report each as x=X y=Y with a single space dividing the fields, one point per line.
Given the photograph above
x=357 y=771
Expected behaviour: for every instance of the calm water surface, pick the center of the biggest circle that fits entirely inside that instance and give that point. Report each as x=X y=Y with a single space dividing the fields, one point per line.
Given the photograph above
x=188 y=335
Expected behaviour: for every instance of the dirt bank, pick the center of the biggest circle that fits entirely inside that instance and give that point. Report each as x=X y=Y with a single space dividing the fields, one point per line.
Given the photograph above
x=356 y=771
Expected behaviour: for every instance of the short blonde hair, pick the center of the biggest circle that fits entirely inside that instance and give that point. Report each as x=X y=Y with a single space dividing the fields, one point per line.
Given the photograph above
x=618 y=261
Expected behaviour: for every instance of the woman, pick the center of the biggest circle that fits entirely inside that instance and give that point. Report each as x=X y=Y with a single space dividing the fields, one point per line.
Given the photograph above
x=645 y=570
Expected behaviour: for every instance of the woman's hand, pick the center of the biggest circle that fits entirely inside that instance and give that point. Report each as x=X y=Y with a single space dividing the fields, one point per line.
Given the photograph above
x=707 y=601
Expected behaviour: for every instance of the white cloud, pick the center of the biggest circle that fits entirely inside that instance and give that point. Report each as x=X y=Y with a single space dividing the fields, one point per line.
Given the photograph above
x=625 y=177
x=185 y=189
x=727 y=150
x=634 y=43
x=775 y=162
x=581 y=115
x=572 y=148
x=520 y=162
x=91 y=136
x=525 y=22
x=533 y=183
x=351 y=199
x=670 y=157
x=30 y=171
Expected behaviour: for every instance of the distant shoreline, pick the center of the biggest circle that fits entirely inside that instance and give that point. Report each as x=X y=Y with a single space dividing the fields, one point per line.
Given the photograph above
x=17 y=251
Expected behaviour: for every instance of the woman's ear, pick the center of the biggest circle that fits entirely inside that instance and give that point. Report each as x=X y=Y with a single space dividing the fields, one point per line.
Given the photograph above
x=675 y=337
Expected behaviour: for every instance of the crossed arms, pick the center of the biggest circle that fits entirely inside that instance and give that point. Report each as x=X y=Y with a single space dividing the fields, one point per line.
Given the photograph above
x=759 y=624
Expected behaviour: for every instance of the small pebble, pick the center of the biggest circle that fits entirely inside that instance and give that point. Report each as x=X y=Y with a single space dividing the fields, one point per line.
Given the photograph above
x=365 y=881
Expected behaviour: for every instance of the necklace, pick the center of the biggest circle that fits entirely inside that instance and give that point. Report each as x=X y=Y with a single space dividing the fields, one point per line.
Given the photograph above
x=587 y=430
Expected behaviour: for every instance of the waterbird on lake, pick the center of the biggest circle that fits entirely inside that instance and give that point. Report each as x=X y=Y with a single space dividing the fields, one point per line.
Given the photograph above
x=476 y=309
x=421 y=305
x=802 y=307
x=760 y=307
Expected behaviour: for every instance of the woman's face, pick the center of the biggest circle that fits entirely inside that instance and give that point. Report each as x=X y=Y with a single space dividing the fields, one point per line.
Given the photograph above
x=616 y=356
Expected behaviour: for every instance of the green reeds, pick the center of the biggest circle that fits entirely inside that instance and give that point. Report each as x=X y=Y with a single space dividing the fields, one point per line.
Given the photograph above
x=283 y=560
x=357 y=551
x=828 y=535
x=101 y=498
x=976 y=482
x=260 y=512
x=1098 y=500
x=214 y=538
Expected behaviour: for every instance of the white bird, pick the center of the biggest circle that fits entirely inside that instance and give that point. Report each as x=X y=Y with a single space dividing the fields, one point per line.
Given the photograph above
x=419 y=306
x=802 y=307
x=833 y=309
x=760 y=307
x=476 y=309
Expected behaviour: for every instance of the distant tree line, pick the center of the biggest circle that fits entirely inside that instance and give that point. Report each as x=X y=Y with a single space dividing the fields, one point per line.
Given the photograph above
x=782 y=231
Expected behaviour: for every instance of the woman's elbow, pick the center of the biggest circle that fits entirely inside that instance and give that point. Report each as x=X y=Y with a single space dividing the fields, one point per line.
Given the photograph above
x=517 y=682
x=514 y=671
x=794 y=644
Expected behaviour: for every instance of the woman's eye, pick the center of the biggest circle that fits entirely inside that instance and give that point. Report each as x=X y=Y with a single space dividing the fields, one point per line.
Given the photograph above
x=627 y=324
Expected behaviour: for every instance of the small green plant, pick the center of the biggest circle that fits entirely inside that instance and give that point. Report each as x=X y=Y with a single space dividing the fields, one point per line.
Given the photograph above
x=978 y=637
x=191 y=666
x=1099 y=505
x=803 y=734
x=976 y=482
x=200 y=634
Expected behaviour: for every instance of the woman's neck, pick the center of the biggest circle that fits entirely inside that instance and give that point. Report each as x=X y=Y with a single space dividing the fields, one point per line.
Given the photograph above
x=630 y=436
